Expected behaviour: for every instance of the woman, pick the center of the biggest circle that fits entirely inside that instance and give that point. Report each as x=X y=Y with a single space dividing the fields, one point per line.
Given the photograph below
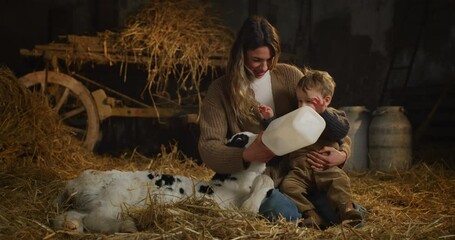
x=254 y=77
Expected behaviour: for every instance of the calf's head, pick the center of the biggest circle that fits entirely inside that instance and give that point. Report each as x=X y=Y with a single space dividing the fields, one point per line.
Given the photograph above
x=241 y=139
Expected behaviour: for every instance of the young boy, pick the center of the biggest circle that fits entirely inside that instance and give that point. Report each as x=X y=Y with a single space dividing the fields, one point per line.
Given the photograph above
x=316 y=89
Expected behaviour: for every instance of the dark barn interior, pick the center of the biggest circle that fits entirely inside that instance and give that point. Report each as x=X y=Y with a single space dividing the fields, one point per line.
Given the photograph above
x=382 y=54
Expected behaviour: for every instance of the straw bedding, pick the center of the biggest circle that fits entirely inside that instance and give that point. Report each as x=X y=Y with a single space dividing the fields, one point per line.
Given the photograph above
x=37 y=154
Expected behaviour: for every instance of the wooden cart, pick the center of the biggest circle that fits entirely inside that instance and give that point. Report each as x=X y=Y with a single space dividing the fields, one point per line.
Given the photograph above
x=82 y=109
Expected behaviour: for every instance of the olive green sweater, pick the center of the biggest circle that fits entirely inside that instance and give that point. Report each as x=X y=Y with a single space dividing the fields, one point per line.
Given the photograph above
x=217 y=122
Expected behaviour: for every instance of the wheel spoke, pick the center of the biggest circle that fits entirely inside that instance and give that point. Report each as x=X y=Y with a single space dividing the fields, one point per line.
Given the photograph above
x=41 y=88
x=72 y=113
x=62 y=100
x=76 y=130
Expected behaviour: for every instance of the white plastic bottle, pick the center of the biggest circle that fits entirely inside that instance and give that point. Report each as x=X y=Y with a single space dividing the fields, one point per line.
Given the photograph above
x=297 y=129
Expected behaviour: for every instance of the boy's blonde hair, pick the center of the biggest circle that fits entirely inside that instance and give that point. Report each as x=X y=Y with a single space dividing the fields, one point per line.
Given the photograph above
x=319 y=80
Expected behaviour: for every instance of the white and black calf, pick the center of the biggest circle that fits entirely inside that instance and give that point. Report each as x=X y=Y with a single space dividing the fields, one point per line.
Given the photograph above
x=97 y=199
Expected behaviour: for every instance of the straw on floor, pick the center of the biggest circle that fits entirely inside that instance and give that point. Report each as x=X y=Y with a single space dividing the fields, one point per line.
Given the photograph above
x=37 y=154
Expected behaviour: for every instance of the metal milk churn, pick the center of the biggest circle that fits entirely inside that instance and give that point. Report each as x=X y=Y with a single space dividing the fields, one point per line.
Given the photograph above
x=359 y=120
x=390 y=140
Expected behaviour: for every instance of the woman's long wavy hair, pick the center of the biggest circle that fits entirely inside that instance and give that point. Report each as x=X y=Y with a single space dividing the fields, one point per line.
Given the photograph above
x=255 y=32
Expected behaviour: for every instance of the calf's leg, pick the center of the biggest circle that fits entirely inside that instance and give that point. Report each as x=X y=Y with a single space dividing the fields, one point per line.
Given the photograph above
x=99 y=221
x=71 y=220
x=261 y=185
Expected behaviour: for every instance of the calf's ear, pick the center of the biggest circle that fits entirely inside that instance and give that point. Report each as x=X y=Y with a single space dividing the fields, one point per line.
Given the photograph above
x=238 y=140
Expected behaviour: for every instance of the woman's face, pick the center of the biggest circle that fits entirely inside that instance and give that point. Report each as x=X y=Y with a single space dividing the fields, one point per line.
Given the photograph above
x=258 y=61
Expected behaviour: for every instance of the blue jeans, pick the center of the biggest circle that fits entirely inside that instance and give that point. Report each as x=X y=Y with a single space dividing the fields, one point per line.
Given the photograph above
x=278 y=204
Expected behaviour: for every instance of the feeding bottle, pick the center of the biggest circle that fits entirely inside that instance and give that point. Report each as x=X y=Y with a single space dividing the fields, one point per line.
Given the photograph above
x=297 y=129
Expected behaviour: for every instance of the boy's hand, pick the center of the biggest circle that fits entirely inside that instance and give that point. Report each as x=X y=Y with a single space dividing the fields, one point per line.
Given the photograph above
x=319 y=105
x=265 y=111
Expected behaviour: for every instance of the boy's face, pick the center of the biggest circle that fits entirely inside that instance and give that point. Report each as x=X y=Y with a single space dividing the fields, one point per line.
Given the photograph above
x=312 y=98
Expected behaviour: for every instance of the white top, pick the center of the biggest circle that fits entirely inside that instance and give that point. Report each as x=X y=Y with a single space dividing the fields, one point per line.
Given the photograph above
x=262 y=88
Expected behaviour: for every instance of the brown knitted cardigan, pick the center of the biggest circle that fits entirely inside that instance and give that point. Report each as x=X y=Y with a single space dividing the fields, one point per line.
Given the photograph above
x=217 y=122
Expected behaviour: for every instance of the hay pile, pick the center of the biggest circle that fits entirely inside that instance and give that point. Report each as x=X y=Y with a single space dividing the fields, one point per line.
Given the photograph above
x=36 y=154
x=179 y=40
x=31 y=134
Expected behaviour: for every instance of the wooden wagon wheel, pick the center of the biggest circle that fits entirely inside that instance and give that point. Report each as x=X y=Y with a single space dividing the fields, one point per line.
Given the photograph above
x=71 y=100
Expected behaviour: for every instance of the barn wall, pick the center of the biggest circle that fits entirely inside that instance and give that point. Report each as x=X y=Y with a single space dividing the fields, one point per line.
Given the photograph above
x=360 y=42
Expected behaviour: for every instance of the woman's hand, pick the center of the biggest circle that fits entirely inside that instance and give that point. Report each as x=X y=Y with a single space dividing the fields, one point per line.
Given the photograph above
x=257 y=151
x=325 y=158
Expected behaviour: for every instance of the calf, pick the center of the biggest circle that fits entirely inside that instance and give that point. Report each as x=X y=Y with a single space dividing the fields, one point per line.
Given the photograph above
x=96 y=198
